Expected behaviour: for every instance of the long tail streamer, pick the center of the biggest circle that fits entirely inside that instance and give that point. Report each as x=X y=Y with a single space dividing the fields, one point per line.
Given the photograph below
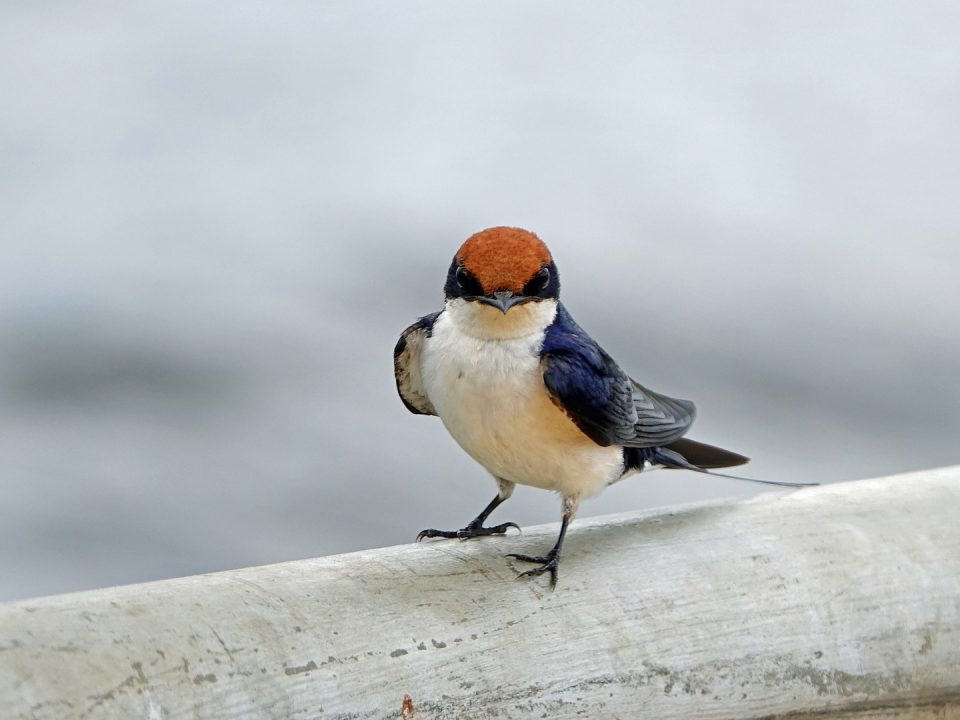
x=672 y=459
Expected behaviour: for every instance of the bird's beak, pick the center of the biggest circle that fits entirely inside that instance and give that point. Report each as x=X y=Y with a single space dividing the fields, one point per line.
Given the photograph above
x=502 y=300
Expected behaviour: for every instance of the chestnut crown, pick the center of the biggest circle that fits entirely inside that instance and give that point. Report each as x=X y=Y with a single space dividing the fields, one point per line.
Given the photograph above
x=503 y=265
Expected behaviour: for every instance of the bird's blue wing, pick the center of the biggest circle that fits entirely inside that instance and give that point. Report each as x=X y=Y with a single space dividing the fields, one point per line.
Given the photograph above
x=406 y=366
x=600 y=398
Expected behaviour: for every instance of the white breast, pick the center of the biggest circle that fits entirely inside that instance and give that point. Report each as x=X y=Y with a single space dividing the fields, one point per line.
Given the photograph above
x=481 y=371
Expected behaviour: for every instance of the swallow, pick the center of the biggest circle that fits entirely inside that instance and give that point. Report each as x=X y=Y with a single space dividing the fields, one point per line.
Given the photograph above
x=529 y=395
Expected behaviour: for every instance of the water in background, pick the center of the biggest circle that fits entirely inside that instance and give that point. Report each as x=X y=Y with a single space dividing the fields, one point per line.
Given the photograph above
x=216 y=219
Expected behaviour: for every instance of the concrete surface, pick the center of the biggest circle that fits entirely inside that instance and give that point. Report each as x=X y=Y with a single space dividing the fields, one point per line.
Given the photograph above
x=834 y=601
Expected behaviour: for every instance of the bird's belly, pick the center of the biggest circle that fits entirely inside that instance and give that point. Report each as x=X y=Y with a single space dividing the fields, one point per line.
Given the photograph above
x=492 y=400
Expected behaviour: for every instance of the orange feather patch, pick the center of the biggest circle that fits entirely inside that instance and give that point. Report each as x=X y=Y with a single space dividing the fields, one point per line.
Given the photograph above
x=503 y=258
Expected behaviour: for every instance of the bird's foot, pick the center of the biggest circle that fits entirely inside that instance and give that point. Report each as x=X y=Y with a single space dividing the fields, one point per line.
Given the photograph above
x=548 y=563
x=472 y=530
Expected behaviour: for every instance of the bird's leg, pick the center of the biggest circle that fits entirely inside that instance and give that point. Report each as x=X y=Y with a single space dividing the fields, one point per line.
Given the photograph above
x=475 y=528
x=550 y=561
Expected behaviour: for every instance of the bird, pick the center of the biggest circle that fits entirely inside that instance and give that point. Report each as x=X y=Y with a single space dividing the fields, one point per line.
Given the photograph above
x=529 y=395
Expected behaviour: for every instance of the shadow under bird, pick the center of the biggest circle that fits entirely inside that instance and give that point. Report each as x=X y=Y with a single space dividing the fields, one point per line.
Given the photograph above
x=529 y=394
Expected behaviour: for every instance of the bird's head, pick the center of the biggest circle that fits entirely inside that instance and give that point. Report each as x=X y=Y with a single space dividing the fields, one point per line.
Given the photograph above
x=503 y=282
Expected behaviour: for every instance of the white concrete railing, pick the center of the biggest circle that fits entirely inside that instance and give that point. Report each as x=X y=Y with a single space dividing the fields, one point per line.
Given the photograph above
x=835 y=601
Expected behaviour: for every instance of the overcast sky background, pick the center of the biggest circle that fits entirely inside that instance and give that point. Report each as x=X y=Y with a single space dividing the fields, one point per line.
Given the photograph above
x=216 y=219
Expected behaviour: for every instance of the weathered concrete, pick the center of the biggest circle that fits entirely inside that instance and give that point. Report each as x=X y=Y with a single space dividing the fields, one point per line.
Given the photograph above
x=836 y=601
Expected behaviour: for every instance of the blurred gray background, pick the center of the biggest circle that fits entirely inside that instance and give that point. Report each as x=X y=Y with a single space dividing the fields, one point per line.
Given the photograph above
x=216 y=219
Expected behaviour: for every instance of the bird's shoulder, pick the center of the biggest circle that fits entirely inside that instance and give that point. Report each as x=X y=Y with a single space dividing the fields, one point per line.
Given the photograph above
x=406 y=365
x=564 y=337
x=599 y=397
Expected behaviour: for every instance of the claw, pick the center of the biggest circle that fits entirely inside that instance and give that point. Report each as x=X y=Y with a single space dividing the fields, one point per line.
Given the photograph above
x=548 y=563
x=431 y=533
x=500 y=529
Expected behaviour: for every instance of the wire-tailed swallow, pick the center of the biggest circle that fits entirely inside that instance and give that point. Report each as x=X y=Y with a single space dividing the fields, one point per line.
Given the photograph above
x=529 y=394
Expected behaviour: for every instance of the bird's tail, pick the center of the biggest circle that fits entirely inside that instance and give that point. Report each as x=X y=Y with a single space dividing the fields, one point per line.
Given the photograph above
x=685 y=454
x=706 y=456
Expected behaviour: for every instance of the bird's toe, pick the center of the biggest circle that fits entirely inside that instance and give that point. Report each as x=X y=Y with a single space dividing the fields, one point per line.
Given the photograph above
x=548 y=564
x=470 y=531
x=431 y=533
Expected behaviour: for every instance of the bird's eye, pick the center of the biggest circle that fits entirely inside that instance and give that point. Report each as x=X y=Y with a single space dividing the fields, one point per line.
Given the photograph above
x=467 y=282
x=538 y=283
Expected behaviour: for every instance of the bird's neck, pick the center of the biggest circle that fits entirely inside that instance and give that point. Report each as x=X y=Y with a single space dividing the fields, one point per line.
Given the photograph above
x=487 y=323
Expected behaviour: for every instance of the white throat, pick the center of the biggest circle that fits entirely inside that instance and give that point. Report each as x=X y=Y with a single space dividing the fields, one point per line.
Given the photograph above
x=487 y=323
